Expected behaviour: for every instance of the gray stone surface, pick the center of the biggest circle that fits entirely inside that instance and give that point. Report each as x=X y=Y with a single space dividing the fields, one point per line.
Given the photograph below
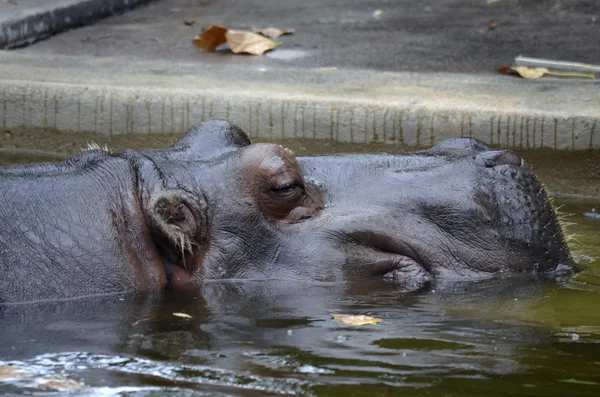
x=414 y=73
x=390 y=35
x=112 y=96
x=25 y=21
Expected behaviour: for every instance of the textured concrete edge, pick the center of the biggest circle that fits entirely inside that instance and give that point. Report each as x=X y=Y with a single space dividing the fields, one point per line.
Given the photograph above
x=115 y=110
x=47 y=21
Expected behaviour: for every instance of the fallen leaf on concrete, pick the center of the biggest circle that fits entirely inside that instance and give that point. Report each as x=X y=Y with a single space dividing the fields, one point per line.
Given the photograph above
x=241 y=41
x=182 y=315
x=272 y=32
x=536 y=73
x=355 y=319
x=189 y=22
x=491 y=26
x=211 y=38
x=525 y=72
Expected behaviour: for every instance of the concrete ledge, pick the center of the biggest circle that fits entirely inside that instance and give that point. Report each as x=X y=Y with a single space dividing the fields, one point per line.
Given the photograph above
x=112 y=96
x=25 y=21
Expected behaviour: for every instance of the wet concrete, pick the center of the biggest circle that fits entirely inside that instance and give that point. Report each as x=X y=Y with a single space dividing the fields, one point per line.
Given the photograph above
x=354 y=71
x=470 y=36
x=115 y=96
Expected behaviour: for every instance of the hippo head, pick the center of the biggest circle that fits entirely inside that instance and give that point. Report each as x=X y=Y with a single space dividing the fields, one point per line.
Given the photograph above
x=221 y=208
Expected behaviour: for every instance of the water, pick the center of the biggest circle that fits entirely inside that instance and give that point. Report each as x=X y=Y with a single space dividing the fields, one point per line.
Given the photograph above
x=515 y=337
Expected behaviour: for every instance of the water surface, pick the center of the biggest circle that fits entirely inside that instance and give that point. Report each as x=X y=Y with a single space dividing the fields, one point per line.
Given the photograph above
x=515 y=337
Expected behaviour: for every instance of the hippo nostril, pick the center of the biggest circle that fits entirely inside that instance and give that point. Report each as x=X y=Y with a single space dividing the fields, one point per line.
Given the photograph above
x=500 y=157
x=509 y=158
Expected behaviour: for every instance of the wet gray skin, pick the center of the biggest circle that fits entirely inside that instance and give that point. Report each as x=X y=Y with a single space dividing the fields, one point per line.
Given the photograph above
x=212 y=206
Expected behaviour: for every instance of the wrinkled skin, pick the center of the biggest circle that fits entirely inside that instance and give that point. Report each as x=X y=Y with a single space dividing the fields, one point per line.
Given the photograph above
x=212 y=206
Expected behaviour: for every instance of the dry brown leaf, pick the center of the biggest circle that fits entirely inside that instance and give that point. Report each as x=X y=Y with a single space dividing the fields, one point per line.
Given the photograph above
x=491 y=26
x=248 y=42
x=355 y=319
x=536 y=73
x=272 y=32
x=239 y=41
x=530 y=73
x=211 y=38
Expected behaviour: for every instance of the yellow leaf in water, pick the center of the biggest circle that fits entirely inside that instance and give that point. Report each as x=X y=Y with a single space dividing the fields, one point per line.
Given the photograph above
x=248 y=42
x=55 y=382
x=211 y=38
x=59 y=383
x=10 y=372
x=182 y=315
x=272 y=32
x=355 y=319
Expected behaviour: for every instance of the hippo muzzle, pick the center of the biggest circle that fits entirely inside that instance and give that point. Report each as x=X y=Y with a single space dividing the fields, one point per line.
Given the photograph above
x=459 y=210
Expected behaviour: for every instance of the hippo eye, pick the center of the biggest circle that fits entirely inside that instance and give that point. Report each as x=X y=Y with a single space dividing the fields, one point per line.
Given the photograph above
x=286 y=191
x=282 y=198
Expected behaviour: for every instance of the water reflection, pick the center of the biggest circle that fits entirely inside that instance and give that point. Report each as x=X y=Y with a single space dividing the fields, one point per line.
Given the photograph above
x=517 y=336
x=247 y=338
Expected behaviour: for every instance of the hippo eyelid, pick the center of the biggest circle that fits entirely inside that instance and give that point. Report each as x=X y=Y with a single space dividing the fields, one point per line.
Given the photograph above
x=286 y=190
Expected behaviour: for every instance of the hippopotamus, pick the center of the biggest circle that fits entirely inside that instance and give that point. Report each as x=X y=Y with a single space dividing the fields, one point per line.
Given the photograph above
x=213 y=206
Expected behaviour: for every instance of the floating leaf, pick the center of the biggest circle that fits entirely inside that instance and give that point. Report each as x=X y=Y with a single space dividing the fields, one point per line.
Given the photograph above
x=59 y=383
x=10 y=372
x=536 y=73
x=579 y=382
x=248 y=42
x=55 y=382
x=211 y=38
x=272 y=32
x=182 y=315
x=355 y=319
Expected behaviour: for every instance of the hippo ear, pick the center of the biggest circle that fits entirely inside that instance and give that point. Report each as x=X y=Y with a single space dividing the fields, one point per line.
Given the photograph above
x=208 y=140
x=178 y=223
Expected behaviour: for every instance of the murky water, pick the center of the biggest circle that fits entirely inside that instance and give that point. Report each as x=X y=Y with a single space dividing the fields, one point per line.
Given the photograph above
x=515 y=337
